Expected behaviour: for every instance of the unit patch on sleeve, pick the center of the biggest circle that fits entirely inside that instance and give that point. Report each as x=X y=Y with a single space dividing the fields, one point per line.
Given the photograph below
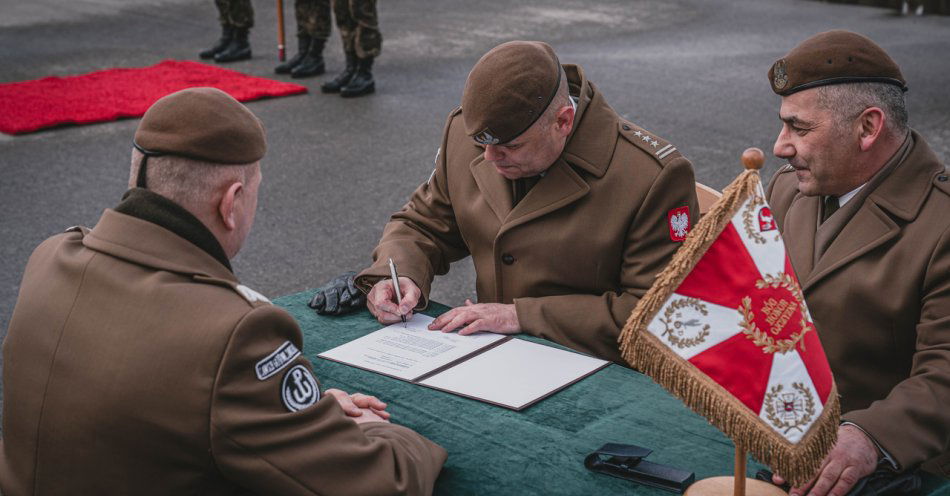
x=299 y=389
x=679 y=223
x=277 y=360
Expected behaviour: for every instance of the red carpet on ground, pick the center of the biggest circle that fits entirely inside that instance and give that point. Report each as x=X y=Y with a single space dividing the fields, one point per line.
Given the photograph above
x=116 y=93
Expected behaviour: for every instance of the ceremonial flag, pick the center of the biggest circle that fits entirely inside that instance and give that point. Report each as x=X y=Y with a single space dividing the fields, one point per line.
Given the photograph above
x=726 y=329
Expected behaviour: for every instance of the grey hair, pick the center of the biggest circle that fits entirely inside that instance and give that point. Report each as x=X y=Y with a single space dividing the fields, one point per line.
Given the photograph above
x=848 y=100
x=562 y=98
x=193 y=184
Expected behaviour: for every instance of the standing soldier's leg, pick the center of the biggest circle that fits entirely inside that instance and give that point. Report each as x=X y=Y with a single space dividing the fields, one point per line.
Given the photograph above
x=347 y=27
x=227 y=31
x=316 y=22
x=368 y=42
x=302 y=10
x=241 y=16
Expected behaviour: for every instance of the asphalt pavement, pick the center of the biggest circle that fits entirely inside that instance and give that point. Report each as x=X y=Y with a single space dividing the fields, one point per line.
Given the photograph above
x=692 y=71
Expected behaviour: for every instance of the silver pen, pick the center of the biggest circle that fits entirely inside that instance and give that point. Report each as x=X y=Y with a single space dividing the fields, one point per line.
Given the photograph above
x=395 y=277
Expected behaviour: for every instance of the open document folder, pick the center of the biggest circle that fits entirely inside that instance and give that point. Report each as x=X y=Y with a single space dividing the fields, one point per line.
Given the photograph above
x=493 y=368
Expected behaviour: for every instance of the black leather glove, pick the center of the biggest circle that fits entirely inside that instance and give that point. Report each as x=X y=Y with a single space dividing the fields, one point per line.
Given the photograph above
x=339 y=296
x=885 y=481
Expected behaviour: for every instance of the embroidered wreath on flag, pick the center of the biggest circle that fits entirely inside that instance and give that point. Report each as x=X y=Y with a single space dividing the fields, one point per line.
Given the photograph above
x=761 y=338
x=772 y=415
x=667 y=319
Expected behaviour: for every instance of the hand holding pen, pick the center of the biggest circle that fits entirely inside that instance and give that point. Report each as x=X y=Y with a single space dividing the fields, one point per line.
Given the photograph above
x=395 y=279
x=383 y=303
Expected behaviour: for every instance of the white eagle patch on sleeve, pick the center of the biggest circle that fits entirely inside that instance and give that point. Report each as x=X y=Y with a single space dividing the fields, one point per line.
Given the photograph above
x=679 y=223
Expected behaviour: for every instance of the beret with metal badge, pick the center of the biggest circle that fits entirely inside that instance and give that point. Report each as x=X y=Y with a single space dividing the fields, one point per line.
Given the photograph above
x=508 y=90
x=834 y=57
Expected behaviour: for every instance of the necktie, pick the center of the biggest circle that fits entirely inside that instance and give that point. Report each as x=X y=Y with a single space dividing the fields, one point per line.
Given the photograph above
x=831 y=206
x=520 y=189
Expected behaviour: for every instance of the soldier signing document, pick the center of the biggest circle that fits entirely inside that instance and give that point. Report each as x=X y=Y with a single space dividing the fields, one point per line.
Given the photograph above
x=567 y=210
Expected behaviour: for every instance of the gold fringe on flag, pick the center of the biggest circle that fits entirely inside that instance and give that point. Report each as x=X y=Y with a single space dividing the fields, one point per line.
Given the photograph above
x=797 y=463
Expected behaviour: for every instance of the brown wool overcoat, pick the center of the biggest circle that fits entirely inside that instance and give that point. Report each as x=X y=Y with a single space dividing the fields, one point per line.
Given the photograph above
x=132 y=366
x=880 y=298
x=577 y=253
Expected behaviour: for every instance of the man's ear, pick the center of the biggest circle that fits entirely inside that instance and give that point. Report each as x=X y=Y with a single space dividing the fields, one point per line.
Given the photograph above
x=227 y=205
x=564 y=120
x=870 y=127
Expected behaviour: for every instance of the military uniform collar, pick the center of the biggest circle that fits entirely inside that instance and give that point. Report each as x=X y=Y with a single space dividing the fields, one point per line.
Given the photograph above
x=593 y=120
x=155 y=208
x=146 y=243
x=899 y=195
x=904 y=191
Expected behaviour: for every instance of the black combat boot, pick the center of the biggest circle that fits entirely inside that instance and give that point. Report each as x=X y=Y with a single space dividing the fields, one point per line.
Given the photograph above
x=335 y=84
x=312 y=63
x=238 y=49
x=227 y=32
x=362 y=82
x=303 y=44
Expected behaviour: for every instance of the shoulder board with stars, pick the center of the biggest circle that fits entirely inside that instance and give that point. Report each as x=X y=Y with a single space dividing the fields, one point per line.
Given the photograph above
x=657 y=147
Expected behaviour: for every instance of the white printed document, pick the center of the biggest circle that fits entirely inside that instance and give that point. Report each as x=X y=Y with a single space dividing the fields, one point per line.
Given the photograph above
x=410 y=352
x=494 y=368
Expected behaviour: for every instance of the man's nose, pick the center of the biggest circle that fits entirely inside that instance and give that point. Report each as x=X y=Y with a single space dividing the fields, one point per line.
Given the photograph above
x=493 y=153
x=783 y=145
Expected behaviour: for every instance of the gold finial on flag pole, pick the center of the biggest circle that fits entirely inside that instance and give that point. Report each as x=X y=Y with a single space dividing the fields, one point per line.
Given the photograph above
x=753 y=158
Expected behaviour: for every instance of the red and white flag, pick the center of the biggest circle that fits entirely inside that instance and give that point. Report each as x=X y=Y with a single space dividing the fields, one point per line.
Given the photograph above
x=726 y=329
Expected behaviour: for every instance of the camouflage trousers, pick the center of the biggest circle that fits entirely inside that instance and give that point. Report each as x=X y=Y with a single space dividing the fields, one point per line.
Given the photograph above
x=356 y=19
x=359 y=27
x=313 y=18
x=235 y=13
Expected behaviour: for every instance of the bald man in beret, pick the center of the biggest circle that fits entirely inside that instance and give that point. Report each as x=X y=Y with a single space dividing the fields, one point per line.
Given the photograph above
x=568 y=210
x=137 y=363
x=863 y=206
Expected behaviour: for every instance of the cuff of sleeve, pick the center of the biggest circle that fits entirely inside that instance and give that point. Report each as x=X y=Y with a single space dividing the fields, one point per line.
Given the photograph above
x=527 y=311
x=885 y=456
x=423 y=444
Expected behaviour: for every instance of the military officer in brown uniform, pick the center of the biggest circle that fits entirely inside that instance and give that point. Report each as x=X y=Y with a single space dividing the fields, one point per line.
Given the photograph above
x=137 y=363
x=566 y=208
x=863 y=205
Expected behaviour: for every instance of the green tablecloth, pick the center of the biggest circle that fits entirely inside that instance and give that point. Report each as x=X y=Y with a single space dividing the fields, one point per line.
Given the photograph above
x=540 y=450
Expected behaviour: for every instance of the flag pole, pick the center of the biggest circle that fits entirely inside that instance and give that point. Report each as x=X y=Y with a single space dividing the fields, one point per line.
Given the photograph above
x=738 y=487
x=280 y=31
x=752 y=159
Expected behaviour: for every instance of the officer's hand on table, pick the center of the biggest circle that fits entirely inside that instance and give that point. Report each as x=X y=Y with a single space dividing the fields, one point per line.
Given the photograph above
x=359 y=405
x=381 y=300
x=853 y=457
x=491 y=317
x=339 y=296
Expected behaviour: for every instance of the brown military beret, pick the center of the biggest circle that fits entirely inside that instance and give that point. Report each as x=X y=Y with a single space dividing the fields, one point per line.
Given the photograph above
x=508 y=89
x=834 y=57
x=203 y=124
